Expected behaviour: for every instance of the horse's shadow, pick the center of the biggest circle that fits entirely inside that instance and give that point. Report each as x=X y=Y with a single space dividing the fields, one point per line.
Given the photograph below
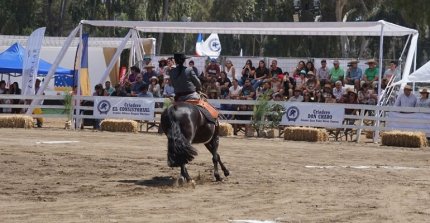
x=154 y=182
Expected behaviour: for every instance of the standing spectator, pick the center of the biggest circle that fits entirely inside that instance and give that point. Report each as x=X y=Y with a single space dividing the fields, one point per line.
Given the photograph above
x=261 y=72
x=109 y=89
x=336 y=73
x=212 y=69
x=392 y=71
x=424 y=100
x=323 y=73
x=230 y=70
x=154 y=87
x=407 y=99
x=275 y=71
x=371 y=73
x=354 y=75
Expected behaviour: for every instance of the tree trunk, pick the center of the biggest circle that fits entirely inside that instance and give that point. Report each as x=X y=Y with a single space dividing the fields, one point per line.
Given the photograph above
x=164 y=18
x=62 y=10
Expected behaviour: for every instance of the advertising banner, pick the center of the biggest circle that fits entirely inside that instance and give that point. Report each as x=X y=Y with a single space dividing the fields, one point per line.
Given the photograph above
x=312 y=114
x=130 y=108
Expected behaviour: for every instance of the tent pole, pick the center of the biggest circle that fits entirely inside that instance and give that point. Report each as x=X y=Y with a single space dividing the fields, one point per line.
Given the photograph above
x=78 y=91
x=381 y=54
x=53 y=68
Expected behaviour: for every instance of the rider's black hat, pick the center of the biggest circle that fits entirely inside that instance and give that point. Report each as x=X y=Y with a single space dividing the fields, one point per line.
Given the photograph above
x=180 y=56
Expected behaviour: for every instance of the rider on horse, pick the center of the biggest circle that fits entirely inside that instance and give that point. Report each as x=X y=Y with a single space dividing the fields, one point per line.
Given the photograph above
x=184 y=80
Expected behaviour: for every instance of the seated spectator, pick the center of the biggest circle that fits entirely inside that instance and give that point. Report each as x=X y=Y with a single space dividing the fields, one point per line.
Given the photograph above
x=212 y=69
x=14 y=89
x=307 y=97
x=301 y=81
x=170 y=65
x=191 y=65
x=266 y=88
x=109 y=89
x=392 y=71
x=371 y=74
x=275 y=71
x=234 y=91
x=278 y=97
x=118 y=91
x=154 y=87
x=407 y=99
x=134 y=71
x=366 y=95
x=230 y=70
x=289 y=84
x=338 y=90
x=247 y=92
x=323 y=73
x=318 y=97
x=336 y=73
x=300 y=66
x=310 y=67
x=424 y=100
x=329 y=98
x=144 y=93
x=328 y=88
x=297 y=97
x=354 y=75
x=213 y=85
x=276 y=85
x=137 y=85
x=150 y=72
x=168 y=91
x=213 y=94
x=246 y=70
x=224 y=84
x=99 y=91
x=162 y=62
x=312 y=83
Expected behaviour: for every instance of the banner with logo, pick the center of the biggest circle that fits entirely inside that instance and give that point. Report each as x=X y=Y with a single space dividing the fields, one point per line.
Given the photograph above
x=312 y=114
x=30 y=65
x=211 y=47
x=130 y=108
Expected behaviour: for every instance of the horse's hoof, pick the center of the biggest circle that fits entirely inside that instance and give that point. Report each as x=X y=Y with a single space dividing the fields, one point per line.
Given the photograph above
x=193 y=184
x=226 y=173
x=217 y=177
x=181 y=181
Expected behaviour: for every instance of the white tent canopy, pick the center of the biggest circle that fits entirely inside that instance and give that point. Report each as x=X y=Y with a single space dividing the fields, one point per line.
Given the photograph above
x=264 y=28
x=421 y=75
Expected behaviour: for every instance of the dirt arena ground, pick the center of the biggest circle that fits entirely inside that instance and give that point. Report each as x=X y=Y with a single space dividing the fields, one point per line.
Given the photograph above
x=118 y=177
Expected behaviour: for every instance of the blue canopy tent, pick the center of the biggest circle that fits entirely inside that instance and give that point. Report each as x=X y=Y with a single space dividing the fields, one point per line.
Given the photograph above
x=11 y=61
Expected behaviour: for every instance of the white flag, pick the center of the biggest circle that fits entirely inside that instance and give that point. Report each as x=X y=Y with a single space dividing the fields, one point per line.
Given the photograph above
x=30 y=64
x=211 y=47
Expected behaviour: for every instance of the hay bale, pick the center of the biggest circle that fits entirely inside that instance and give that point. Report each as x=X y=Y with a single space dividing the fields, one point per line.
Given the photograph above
x=249 y=131
x=404 y=139
x=269 y=133
x=369 y=134
x=117 y=125
x=16 y=121
x=305 y=134
x=225 y=129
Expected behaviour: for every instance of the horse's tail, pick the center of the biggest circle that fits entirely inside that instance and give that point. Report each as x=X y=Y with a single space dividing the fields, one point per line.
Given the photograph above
x=179 y=149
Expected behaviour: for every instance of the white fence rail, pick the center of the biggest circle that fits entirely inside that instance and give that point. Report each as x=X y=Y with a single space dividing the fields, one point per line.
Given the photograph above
x=401 y=118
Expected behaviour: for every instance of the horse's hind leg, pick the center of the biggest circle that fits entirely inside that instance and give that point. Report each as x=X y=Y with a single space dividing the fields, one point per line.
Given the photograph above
x=184 y=173
x=212 y=146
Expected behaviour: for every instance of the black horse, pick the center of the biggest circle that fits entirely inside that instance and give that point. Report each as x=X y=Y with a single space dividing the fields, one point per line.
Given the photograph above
x=184 y=124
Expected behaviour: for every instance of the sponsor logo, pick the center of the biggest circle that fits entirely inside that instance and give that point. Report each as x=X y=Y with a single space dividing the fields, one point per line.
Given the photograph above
x=104 y=107
x=292 y=113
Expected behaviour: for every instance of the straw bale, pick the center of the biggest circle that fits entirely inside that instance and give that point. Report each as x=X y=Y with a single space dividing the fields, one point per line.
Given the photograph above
x=117 y=125
x=225 y=129
x=249 y=131
x=305 y=134
x=16 y=121
x=404 y=139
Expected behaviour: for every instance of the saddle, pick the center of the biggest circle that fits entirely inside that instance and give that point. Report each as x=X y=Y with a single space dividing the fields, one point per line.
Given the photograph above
x=205 y=108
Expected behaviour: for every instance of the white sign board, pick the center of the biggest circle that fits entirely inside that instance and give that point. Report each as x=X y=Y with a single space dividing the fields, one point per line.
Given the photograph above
x=312 y=114
x=122 y=107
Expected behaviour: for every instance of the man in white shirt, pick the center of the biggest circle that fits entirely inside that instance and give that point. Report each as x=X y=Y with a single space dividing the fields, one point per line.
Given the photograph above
x=323 y=73
x=338 y=90
x=407 y=99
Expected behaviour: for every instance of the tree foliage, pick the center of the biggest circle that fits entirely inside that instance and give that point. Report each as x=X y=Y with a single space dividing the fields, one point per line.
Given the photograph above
x=21 y=17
